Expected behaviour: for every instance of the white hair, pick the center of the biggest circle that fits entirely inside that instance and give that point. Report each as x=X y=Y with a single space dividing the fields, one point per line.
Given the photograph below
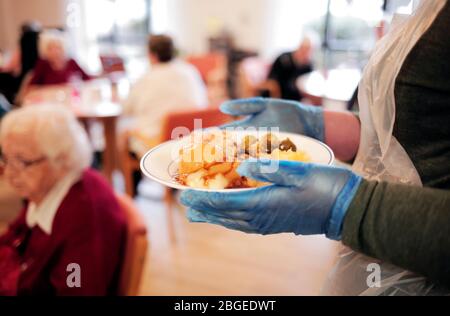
x=55 y=130
x=51 y=37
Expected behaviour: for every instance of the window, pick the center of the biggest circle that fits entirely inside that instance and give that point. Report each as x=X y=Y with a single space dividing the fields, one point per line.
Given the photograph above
x=348 y=31
x=350 y=24
x=117 y=21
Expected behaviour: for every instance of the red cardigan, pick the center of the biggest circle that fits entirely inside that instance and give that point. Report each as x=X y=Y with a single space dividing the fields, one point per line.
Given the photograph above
x=89 y=229
x=44 y=74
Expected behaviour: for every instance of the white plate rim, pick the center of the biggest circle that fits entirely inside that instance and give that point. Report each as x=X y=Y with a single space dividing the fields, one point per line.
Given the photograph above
x=178 y=186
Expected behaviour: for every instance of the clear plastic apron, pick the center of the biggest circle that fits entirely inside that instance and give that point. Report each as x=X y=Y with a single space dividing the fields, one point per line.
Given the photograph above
x=382 y=158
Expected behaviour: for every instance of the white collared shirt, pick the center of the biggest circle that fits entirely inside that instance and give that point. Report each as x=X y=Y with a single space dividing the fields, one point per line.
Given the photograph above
x=44 y=213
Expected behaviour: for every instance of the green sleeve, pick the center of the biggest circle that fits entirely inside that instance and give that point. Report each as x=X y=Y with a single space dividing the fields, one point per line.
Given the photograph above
x=404 y=225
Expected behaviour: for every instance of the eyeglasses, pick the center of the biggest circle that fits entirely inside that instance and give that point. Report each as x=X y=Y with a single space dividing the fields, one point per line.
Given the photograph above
x=20 y=164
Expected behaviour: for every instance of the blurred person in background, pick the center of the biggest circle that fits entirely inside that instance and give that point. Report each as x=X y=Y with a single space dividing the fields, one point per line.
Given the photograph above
x=55 y=66
x=22 y=61
x=170 y=85
x=70 y=215
x=289 y=66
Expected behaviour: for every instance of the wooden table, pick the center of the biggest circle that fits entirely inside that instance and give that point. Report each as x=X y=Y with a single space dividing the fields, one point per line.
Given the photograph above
x=333 y=88
x=96 y=100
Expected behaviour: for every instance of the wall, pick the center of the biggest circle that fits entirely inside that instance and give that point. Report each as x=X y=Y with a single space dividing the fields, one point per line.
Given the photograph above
x=266 y=26
x=5 y=27
x=13 y=13
x=192 y=22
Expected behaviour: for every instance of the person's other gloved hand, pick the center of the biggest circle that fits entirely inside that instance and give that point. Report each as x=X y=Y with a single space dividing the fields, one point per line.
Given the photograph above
x=288 y=116
x=304 y=199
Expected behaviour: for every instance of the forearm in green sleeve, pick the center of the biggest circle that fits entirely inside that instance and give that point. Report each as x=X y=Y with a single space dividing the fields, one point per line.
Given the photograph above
x=407 y=226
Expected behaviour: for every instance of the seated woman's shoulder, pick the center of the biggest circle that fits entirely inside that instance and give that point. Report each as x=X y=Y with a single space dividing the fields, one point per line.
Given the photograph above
x=94 y=184
x=91 y=197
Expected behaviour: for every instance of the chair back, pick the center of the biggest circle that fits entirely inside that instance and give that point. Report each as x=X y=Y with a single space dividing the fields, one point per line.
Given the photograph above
x=208 y=64
x=187 y=119
x=135 y=250
x=112 y=63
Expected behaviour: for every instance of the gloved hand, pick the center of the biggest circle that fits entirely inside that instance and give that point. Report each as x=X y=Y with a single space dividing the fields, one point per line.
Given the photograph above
x=288 y=116
x=5 y=107
x=304 y=199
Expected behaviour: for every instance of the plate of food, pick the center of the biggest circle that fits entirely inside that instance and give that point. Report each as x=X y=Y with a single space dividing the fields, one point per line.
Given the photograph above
x=207 y=160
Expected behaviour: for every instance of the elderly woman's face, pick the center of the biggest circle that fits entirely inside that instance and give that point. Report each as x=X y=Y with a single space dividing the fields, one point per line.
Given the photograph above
x=55 y=53
x=27 y=169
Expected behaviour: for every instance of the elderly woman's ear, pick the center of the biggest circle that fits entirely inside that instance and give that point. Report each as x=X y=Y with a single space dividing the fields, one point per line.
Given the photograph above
x=62 y=162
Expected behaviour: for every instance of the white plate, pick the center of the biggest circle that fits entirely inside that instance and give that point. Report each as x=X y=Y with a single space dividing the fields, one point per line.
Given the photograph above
x=159 y=164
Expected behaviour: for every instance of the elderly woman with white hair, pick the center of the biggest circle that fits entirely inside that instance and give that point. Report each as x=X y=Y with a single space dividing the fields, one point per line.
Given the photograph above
x=69 y=238
x=55 y=66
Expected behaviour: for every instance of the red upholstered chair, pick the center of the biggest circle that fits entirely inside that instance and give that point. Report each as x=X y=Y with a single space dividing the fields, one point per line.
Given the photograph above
x=113 y=67
x=214 y=71
x=136 y=248
x=207 y=64
x=209 y=118
x=112 y=63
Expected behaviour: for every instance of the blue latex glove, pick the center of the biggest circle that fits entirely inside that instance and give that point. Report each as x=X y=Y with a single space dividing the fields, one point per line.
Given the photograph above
x=5 y=107
x=304 y=199
x=288 y=116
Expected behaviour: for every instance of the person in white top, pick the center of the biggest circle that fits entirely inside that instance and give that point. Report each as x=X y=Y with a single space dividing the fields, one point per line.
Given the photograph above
x=170 y=85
